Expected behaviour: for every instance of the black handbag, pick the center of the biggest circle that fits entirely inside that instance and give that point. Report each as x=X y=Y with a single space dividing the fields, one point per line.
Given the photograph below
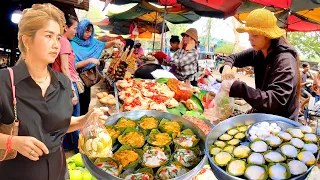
x=91 y=76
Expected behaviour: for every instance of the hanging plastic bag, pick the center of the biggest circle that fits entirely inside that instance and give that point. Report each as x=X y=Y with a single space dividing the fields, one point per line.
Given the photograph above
x=135 y=31
x=94 y=139
x=223 y=105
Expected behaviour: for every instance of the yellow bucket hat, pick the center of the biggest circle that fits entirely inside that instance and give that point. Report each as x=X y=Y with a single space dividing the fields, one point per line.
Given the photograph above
x=262 y=22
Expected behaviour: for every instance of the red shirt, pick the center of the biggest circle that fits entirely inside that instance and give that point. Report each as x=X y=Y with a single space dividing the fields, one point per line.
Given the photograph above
x=66 y=49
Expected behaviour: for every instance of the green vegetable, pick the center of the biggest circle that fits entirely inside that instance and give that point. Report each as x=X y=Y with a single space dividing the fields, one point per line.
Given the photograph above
x=181 y=109
x=162 y=80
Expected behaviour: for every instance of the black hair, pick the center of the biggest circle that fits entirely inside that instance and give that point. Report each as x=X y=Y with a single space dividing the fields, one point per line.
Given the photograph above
x=138 y=45
x=174 y=39
x=70 y=20
x=90 y=26
x=129 y=44
x=305 y=64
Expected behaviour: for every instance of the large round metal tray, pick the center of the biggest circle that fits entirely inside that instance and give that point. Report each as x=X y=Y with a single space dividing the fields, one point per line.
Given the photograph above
x=240 y=120
x=136 y=115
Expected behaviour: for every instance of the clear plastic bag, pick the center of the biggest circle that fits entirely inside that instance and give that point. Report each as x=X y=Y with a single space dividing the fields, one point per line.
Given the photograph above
x=223 y=105
x=94 y=139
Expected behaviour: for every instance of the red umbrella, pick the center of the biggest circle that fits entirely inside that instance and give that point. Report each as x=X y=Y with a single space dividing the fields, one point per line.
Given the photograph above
x=293 y=15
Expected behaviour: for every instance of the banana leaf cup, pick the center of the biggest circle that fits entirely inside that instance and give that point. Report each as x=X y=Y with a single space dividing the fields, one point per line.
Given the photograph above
x=132 y=137
x=109 y=165
x=154 y=157
x=147 y=123
x=170 y=171
x=145 y=173
x=124 y=122
x=160 y=139
x=113 y=132
x=188 y=158
x=171 y=127
x=186 y=139
x=276 y=167
x=128 y=157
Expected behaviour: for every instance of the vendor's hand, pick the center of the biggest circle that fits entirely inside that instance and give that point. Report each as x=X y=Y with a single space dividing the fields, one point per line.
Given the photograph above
x=29 y=147
x=119 y=44
x=226 y=85
x=191 y=44
x=101 y=112
x=228 y=72
x=95 y=61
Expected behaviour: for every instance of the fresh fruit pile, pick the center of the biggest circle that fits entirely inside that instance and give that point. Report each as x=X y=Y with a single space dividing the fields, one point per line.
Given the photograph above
x=281 y=154
x=76 y=168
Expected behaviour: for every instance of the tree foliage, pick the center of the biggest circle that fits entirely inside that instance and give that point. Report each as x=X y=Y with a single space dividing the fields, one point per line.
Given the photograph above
x=307 y=43
x=225 y=48
x=176 y=29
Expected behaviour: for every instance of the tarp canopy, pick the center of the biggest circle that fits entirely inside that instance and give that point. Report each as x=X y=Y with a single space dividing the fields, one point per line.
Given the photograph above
x=177 y=16
x=293 y=15
x=207 y=8
x=123 y=27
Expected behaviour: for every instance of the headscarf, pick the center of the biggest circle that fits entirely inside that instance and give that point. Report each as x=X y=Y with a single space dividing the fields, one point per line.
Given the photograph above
x=85 y=49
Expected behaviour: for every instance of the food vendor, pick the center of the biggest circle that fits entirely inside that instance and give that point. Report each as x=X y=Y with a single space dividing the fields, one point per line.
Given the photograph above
x=44 y=104
x=276 y=68
x=186 y=58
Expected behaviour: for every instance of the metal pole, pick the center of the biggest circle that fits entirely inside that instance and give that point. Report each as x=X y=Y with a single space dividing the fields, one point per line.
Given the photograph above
x=163 y=25
x=154 y=31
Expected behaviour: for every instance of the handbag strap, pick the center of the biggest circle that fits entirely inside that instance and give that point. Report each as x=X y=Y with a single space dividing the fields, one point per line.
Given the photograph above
x=13 y=87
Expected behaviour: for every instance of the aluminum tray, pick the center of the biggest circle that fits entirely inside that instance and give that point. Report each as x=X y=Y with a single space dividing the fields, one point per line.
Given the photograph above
x=136 y=115
x=240 y=120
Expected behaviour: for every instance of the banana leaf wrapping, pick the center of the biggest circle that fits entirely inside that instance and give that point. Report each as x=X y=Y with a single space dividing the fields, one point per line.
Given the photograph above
x=307 y=157
x=109 y=165
x=274 y=160
x=157 y=138
x=214 y=150
x=128 y=157
x=145 y=173
x=114 y=133
x=188 y=158
x=239 y=171
x=158 y=156
x=288 y=155
x=124 y=122
x=170 y=171
x=227 y=157
x=186 y=139
x=287 y=173
x=147 y=123
x=171 y=127
x=248 y=174
x=272 y=144
x=132 y=137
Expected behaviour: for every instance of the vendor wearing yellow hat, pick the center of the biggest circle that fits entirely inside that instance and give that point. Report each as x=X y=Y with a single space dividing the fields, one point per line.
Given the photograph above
x=275 y=64
x=186 y=57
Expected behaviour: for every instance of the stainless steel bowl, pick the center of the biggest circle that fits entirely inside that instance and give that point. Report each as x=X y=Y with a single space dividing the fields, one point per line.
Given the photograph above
x=136 y=115
x=246 y=119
